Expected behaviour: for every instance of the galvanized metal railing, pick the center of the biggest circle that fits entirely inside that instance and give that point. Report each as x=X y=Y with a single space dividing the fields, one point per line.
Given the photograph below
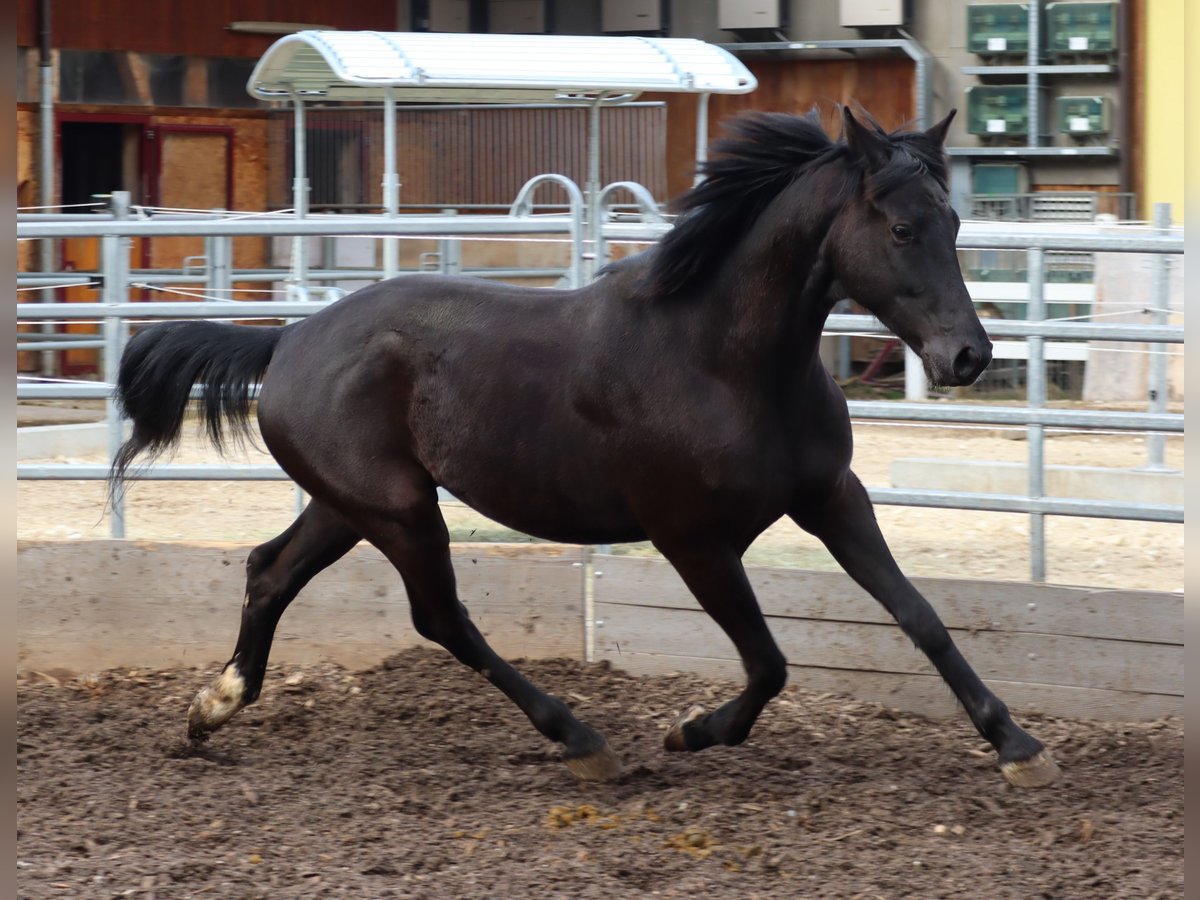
x=115 y=313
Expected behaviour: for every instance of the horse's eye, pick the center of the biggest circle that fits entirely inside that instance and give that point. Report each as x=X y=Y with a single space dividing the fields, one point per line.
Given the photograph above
x=902 y=233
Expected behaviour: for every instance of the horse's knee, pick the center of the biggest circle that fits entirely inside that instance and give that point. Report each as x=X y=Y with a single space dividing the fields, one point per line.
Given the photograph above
x=770 y=674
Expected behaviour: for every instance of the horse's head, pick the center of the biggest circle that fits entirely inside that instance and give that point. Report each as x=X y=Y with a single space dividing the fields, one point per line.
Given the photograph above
x=892 y=250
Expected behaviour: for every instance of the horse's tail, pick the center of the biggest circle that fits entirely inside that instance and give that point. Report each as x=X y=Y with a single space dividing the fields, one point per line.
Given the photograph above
x=161 y=364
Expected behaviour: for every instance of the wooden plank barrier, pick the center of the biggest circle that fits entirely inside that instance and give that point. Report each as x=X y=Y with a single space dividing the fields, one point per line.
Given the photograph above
x=89 y=605
x=1062 y=651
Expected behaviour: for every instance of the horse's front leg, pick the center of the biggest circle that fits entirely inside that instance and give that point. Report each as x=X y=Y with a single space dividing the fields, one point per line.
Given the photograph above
x=715 y=576
x=846 y=524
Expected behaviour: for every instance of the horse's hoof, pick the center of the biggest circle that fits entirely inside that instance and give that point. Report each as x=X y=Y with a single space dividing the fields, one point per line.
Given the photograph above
x=676 y=740
x=599 y=765
x=1038 y=771
x=216 y=704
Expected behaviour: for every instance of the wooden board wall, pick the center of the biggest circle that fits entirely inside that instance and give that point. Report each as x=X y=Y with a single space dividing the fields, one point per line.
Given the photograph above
x=90 y=605
x=1063 y=651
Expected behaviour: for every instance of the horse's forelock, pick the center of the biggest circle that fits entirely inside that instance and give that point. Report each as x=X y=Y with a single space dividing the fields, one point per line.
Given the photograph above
x=914 y=155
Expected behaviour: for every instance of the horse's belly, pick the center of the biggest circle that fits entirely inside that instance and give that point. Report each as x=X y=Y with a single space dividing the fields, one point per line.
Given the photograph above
x=566 y=517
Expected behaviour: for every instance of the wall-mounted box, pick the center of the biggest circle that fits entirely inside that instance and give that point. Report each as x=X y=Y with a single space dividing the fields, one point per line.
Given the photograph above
x=633 y=16
x=1081 y=28
x=1000 y=178
x=872 y=13
x=1083 y=115
x=748 y=15
x=517 y=17
x=998 y=29
x=999 y=111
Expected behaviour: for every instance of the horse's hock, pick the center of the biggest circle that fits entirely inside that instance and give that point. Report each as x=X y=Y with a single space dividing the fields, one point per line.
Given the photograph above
x=1105 y=654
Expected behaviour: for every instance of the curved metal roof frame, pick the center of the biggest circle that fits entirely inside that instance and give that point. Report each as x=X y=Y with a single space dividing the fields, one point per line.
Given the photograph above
x=491 y=68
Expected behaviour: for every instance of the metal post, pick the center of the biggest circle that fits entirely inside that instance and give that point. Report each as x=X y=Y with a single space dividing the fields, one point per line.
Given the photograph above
x=114 y=262
x=391 y=182
x=218 y=262
x=1160 y=298
x=299 y=192
x=592 y=188
x=701 y=135
x=450 y=251
x=1035 y=398
x=916 y=385
x=49 y=359
x=1034 y=137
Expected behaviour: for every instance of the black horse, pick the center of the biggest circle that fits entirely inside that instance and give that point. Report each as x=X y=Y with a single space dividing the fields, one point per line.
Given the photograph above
x=677 y=398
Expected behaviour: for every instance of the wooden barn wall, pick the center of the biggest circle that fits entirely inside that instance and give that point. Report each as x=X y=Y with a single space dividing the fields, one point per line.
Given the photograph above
x=197 y=29
x=1100 y=654
x=884 y=86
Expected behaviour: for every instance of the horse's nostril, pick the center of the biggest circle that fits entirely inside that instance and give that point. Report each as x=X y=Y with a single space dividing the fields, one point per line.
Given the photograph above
x=967 y=364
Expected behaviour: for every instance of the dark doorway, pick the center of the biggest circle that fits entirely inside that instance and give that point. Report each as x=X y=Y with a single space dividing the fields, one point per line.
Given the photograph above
x=99 y=158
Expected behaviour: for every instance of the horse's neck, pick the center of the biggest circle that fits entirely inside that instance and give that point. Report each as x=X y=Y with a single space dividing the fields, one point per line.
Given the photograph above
x=777 y=283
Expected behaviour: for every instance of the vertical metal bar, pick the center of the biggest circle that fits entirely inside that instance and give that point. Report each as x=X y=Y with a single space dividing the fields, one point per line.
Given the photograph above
x=1033 y=85
x=578 y=275
x=1035 y=398
x=701 y=134
x=218 y=262
x=916 y=385
x=49 y=359
x=299 y=191
x=592 y=188
x=299 y=275
x=450 y=251
x=391 y=182
x=1160 y=297
x=114 y=257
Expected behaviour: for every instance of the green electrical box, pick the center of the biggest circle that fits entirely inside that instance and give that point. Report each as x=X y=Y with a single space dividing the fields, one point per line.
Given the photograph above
x=1081 y=28
x=998 y=29
x=999 y=179
x=1083 y=115
x=998 y=111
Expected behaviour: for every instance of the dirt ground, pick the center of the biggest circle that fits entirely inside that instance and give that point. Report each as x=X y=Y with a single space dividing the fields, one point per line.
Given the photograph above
x=928 y=542
x=416 y=779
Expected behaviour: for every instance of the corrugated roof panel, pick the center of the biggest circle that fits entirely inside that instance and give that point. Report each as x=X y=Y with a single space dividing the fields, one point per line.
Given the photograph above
x=492 y=67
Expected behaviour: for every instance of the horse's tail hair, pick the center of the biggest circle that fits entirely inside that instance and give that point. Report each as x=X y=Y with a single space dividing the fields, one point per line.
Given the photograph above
x=162 y=363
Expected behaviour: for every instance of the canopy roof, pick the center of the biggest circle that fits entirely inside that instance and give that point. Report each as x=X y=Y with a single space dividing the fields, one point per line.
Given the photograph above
x=491 y=68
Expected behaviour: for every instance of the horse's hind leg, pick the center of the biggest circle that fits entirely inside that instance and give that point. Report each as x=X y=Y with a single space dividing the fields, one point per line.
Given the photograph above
x=275 y=573
x=846 y=525
x=415 y=539
x=717 y=579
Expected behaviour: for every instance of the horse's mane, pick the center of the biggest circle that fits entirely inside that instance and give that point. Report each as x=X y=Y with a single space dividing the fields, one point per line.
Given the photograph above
x=761 y=154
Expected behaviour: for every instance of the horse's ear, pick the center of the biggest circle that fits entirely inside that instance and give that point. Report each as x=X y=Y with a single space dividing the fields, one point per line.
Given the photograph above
x=937 y=133
x=864 y=141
